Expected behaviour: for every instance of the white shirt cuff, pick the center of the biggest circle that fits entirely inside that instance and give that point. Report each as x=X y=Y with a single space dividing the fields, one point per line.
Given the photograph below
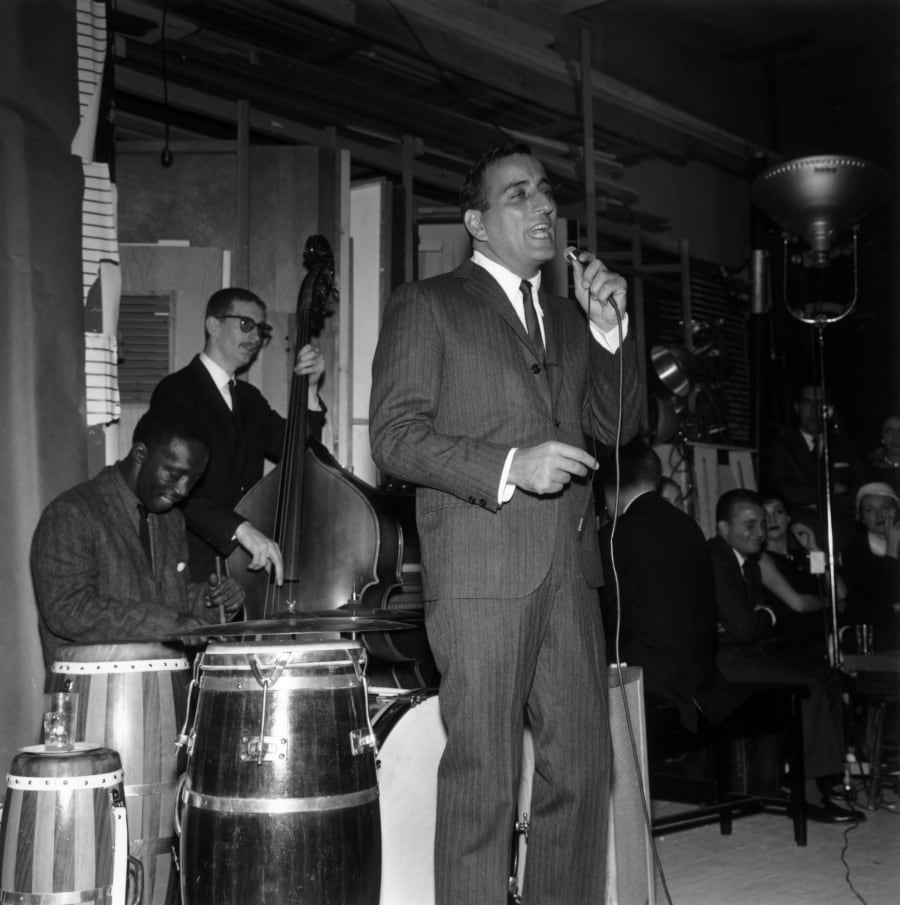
x=505 y=491
x=609 y=339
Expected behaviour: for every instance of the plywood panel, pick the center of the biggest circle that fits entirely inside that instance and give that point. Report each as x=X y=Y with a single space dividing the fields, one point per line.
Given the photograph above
x=369 y=230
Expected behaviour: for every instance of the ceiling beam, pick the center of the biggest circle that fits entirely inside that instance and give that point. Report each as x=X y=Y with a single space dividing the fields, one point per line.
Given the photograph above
x=543 y=75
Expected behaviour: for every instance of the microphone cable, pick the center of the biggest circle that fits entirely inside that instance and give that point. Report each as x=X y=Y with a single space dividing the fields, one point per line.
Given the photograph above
x=570 y=255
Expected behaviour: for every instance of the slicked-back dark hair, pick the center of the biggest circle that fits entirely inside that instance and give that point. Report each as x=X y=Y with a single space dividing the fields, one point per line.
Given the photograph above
x=162 y=424
x=220 y=302
x=731 y=499
x=638 y=464
x=472 y=195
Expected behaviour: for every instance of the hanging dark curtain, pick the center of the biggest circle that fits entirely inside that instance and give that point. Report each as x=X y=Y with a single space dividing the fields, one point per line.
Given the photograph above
x=42 y=441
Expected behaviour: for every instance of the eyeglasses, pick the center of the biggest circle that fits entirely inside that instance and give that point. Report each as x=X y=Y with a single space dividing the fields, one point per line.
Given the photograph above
x=248 y=325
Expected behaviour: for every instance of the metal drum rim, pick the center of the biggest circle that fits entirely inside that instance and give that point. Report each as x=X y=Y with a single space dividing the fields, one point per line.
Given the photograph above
x=268 y=646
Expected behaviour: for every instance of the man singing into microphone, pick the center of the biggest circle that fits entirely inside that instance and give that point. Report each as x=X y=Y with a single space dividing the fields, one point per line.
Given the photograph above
x=484 y=387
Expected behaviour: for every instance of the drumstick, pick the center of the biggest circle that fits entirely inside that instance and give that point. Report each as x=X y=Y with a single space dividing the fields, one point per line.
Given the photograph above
x=222 y=619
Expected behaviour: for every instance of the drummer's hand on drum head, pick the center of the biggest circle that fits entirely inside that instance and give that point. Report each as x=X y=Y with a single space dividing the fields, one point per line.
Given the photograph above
x=264 y=550
x=226 y=593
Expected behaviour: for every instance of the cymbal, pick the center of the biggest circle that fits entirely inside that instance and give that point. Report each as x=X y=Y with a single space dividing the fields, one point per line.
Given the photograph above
x=296 y=624
x=354 y=609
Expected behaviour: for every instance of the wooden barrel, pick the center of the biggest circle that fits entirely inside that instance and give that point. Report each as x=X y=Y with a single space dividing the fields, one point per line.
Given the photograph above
x=63 y=836
x=280 y=800
x=132 y=698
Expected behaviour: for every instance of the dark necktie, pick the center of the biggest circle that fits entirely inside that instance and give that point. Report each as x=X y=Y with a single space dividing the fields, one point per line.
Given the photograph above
x=229 y=390
x=144 y=530
x=753 y=579
x=531 y=320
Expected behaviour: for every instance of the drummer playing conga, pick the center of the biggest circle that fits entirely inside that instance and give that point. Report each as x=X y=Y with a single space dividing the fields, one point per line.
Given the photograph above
x=109 y=556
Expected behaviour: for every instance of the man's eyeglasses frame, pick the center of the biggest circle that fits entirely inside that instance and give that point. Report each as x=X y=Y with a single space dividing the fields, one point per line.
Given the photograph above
x=248 y=325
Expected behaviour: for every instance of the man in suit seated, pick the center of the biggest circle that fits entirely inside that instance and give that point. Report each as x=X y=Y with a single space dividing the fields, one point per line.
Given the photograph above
x=109 y=556
x=664 y=591
x=243 y=430
x=748 y=648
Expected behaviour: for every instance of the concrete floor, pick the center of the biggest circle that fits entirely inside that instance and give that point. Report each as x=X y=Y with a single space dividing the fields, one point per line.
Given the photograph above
x=759 y=864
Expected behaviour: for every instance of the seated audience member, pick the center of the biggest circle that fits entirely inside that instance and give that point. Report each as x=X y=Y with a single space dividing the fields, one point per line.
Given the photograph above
x=792 y=466
x=872 y=567
x=670 y=491
x=797 y=595
x=884 y=462
x=109 y=556
x=746 y=652
x=668 y=611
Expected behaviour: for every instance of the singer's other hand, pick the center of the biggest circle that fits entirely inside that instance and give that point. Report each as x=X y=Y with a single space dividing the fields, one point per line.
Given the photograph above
x=595 y=286
x=548 y=467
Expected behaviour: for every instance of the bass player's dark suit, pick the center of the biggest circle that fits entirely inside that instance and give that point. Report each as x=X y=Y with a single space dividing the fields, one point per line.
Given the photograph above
x=240 y=441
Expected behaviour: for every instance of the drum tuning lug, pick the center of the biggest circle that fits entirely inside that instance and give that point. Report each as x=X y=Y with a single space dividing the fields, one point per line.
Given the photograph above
x=175 y=860
x=361 y=741
x=270 y=749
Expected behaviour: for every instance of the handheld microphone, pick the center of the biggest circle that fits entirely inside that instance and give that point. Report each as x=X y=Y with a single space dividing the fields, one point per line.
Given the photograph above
x=571 y=254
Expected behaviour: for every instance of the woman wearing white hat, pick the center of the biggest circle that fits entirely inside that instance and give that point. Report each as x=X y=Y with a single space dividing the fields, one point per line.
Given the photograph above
x=871 y=565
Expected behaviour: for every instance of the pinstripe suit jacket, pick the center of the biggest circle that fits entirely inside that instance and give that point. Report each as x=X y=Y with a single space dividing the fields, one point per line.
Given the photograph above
x=456 y=384
x=92 y=579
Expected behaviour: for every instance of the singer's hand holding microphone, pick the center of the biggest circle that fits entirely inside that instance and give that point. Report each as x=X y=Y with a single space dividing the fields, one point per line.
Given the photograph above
x=548 y=467
x=600 y=292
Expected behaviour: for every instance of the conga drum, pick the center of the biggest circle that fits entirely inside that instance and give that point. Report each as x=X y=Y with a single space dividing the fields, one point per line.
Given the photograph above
x=64 y=835
x=280 y=799
x=132 y=699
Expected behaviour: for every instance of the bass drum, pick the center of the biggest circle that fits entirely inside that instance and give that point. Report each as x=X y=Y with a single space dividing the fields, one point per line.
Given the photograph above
x=410 y=735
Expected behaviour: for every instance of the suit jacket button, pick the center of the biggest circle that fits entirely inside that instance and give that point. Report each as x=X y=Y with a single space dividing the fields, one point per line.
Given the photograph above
x=470 y=499
x=535 y=369
x=482 y=502
x=556 y=422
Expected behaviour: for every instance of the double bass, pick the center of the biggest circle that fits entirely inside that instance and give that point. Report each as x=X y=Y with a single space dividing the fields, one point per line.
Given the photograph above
x=339 y=545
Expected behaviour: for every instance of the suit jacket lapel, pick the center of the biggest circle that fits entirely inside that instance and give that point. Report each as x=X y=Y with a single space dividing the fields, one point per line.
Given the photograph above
x=211 y=397
x=116 y=502
x=482 y=284
x=553 y=344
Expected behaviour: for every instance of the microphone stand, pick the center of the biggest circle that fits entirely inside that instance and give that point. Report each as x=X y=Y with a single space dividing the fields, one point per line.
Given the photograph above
x=820 y=321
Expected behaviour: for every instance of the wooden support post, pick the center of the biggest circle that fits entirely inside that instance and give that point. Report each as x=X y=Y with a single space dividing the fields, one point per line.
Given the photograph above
x=687 y=309
x=587 y=121
x=637 y=322
x=410 y=220
x=240 y=271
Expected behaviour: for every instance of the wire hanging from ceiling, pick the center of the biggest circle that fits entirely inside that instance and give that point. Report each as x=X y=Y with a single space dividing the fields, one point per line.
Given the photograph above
x=443 y=75
x=165 y=158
